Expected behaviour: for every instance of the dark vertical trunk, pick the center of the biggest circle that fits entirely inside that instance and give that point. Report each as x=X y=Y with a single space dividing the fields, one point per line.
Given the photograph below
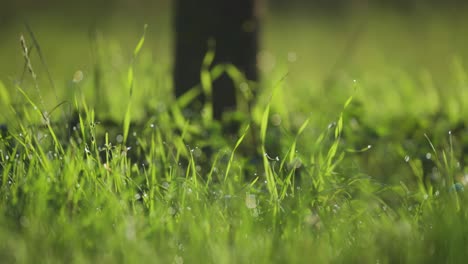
x=233 y=25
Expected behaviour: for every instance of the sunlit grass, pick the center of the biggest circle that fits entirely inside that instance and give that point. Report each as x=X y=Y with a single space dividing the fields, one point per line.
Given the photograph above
x=373 y=175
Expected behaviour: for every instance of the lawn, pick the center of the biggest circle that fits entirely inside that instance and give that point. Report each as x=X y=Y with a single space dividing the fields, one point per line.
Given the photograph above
x=354 y=150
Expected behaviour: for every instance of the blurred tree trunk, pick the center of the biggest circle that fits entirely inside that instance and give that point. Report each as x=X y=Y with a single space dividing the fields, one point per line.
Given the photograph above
x=233 y=26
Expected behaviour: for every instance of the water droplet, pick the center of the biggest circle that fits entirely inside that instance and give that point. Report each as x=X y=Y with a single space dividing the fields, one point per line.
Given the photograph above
x=407 y=158
x=266 y=61
x=276 y=119
x=369 y=146
x=152 y=125
x=428 y=156
x=292 y=56
x=172 y=211
x=78 y=76
x=119 y=138
x=178 y=260
x=250 y=201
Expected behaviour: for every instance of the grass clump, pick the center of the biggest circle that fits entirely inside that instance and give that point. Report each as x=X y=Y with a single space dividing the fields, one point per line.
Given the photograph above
x=166 y=188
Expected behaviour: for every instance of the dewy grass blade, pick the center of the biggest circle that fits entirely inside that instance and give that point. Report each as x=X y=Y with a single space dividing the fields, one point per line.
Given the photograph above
x=4 y=95
x=130 y=80
x=264 y=124
x=231 y=159
x=207 y=84
x=138 y=47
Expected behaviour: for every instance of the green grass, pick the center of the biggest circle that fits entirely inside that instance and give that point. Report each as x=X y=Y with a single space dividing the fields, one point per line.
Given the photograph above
x=359 y=168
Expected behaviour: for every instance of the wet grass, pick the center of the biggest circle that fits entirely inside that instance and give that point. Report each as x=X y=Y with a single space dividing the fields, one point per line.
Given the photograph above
x=369 y=167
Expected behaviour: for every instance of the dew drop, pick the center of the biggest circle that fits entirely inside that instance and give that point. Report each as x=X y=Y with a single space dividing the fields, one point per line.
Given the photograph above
x=276 y=119
x=178 y=260
x=292 y=56
x=250 y=201
x=244 y=87
x=78 y=76
x=137 y=196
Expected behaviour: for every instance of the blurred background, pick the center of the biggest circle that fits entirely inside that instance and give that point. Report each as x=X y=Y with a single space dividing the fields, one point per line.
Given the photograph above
x=320 y=45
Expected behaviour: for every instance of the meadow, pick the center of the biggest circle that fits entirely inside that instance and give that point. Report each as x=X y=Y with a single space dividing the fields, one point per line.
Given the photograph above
x=354 y=150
